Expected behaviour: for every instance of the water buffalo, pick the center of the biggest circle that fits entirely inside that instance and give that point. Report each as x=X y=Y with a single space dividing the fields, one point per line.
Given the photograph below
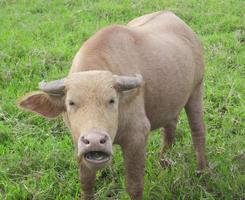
x=125 y=81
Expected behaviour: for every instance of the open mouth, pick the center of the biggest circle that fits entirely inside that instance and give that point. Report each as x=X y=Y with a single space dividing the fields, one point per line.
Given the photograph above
x=97 y=157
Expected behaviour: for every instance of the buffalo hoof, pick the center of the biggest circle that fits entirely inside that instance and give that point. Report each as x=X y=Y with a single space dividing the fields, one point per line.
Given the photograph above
x=165 y=162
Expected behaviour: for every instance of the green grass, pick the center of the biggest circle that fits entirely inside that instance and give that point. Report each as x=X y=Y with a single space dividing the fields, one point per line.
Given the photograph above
x=38 y=40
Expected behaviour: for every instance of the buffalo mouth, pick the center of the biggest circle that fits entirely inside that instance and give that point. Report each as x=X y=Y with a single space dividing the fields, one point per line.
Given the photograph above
x=97 y=157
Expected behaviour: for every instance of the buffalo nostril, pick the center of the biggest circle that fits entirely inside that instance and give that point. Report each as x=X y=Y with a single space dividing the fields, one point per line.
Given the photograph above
x=103 y=140
x=85 y=141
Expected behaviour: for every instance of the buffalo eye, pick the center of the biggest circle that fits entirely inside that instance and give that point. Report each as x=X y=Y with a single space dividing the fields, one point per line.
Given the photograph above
x=112 y=101
x=71 y=103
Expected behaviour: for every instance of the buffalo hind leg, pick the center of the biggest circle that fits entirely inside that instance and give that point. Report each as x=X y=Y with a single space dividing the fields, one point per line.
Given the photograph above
x=168 y=134
x=194 y=111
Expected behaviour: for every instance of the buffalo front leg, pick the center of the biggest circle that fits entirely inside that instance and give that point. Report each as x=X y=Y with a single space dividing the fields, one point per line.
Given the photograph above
x=87 y=179
x=194 y=110
x=134 y=161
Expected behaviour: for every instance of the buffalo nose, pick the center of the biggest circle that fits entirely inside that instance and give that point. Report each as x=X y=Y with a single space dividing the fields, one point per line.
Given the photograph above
x=94 y=139
x=84 y=140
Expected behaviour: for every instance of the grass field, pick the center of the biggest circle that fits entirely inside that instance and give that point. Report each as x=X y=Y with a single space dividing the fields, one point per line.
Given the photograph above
x=38 y=40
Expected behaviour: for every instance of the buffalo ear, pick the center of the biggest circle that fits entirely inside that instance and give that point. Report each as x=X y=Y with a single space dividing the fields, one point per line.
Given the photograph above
x=43 y=104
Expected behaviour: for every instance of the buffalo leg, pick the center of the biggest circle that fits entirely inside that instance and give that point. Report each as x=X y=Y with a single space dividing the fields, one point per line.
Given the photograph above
x=168 y=135
x=87 y=179
x=134 y=161
x=194 y=111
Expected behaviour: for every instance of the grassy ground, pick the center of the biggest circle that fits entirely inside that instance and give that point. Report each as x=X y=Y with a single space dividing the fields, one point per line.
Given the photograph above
x=38 y=40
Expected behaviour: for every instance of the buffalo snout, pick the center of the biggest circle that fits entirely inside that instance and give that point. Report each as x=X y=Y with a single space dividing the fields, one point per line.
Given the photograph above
x=95 y=149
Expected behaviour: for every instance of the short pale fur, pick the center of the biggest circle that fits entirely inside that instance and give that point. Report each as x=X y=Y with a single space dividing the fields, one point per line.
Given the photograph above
x=167 y=53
